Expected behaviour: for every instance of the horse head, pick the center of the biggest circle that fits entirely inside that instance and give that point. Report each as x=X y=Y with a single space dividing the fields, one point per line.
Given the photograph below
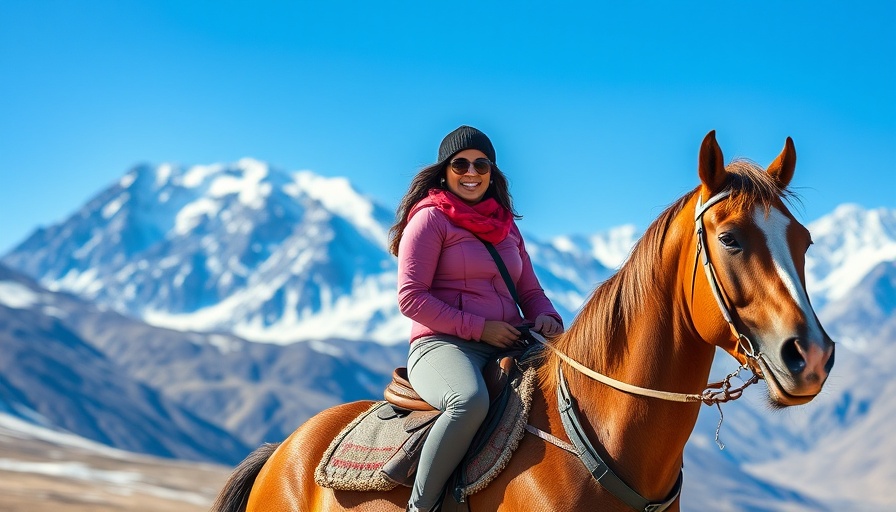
x=753 y=252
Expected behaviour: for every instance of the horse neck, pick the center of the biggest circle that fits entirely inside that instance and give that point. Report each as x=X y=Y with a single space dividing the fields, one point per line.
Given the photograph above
x=654 y=346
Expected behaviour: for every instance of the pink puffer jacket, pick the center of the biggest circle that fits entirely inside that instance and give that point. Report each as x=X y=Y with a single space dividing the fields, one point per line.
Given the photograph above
x=449 y=283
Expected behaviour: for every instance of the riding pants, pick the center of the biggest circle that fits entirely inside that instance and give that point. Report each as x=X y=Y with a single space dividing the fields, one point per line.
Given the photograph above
x=447 y=372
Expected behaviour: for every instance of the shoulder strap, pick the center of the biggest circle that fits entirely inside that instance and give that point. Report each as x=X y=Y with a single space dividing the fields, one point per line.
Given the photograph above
x=503 y=269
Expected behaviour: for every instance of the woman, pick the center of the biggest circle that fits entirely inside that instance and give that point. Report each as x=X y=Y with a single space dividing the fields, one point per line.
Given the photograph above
x=451 y=288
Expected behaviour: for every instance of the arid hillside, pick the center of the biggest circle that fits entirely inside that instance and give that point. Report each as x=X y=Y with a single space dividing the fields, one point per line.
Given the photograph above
x=41 y=471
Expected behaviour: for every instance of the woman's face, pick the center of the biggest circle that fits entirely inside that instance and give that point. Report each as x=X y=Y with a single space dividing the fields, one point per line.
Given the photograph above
x=469 y=186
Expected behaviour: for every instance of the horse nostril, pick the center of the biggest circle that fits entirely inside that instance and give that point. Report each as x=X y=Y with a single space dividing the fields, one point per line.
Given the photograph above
x=792 y=357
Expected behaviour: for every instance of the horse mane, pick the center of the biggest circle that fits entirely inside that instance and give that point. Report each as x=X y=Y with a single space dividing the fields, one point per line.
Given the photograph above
x=596 y=334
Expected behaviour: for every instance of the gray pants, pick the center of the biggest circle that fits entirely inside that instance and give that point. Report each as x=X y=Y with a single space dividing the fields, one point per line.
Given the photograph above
x=447 y=372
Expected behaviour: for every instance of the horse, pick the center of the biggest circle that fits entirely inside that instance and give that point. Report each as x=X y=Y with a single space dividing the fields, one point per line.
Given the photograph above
x=651 y=330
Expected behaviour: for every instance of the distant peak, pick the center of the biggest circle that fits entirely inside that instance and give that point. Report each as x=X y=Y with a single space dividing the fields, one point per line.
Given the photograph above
x=139 y=172
x=252 y=164
x=848 y=209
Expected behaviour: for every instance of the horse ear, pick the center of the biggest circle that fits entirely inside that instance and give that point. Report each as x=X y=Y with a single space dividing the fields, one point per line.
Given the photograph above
x=711 y=167
x=783 y=166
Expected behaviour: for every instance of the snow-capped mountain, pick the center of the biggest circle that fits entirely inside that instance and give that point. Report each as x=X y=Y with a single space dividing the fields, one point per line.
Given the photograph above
x=242 y=248
x=848 y=244
x=267 y=255
x=279 y=256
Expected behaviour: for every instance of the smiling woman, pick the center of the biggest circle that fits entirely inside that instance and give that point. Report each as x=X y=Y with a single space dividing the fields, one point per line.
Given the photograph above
x=455 y=216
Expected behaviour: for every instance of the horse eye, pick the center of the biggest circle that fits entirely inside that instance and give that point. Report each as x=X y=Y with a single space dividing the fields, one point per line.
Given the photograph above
x=729 y=241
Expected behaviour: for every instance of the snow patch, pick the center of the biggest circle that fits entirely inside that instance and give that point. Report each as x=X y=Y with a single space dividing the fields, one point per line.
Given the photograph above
x=18 y=428
x=75 y=470
x=163 y=174
x=613 y=248
x=250 y=189
x=128 y=179
x=326 y=348
x=563 y=244
x=94 y=242
x=192 y=214
x=130 y=480
x=113 y=206
x=55 y=312
x=196 y=175
x=224 y=344
x=17 y=296
x=343 y=316
x=338 y=196
x=86 y=282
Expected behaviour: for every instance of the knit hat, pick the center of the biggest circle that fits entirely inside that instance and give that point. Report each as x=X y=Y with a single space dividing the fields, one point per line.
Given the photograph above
x=465 y=137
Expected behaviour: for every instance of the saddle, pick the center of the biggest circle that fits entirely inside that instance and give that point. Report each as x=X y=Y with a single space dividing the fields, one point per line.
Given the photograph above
x=380 y=449
x=400 y=393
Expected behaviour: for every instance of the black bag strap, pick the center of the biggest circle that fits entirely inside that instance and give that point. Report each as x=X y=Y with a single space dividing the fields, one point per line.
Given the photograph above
x=503 y=269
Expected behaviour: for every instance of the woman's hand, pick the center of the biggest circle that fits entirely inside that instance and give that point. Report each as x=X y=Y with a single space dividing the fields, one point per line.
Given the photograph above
x=500 y=334
x=547 y=325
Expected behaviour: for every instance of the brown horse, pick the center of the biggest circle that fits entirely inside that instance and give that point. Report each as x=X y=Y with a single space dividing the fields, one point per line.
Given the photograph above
x=655 y=324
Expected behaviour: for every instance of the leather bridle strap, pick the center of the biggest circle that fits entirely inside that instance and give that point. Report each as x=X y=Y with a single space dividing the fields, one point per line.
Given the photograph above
x=704 y=251
x=596 y=465
x=743 y=342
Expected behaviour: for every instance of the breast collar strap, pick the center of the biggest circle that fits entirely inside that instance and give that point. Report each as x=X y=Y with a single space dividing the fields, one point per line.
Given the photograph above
x=596 y=466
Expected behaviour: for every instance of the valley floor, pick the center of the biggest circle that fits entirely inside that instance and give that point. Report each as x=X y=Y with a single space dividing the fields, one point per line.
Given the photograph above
x=38 y=476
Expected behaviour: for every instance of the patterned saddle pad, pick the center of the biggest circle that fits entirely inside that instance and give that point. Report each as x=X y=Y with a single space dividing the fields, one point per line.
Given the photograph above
x=379 y=449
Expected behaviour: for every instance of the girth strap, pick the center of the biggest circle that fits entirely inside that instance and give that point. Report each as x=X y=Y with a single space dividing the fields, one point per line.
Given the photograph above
x=596 y=466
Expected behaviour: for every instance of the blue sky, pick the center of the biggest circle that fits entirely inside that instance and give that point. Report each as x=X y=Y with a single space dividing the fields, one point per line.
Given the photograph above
x=596 y=109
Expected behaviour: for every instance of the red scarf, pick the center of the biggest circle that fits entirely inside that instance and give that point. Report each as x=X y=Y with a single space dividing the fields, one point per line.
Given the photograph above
x=486 y=219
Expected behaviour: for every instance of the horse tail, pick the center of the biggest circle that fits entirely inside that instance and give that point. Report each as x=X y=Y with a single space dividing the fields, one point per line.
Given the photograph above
x=235 y=495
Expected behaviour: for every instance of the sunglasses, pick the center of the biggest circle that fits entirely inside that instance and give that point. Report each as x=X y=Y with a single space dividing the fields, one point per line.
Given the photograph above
x=462 y=165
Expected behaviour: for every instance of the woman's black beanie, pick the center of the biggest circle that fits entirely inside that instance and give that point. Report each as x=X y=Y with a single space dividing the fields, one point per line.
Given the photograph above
x=465 y=137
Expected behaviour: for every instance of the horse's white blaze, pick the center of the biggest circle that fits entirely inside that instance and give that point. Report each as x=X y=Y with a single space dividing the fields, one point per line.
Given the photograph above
x=774 y=228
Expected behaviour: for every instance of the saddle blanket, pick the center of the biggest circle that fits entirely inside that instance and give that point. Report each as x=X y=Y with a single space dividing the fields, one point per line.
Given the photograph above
x=378 y=450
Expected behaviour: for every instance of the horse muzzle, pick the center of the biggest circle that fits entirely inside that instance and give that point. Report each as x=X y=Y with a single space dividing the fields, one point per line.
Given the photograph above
x=796 y=372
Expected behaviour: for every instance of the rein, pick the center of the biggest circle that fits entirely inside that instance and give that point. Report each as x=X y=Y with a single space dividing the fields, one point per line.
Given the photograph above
x=716 y=392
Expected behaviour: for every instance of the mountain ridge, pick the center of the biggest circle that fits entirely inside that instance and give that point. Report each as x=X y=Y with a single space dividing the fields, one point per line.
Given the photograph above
x=51 y=375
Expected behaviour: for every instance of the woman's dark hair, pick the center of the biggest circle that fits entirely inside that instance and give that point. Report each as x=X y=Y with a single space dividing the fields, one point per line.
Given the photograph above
x=431 y=177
